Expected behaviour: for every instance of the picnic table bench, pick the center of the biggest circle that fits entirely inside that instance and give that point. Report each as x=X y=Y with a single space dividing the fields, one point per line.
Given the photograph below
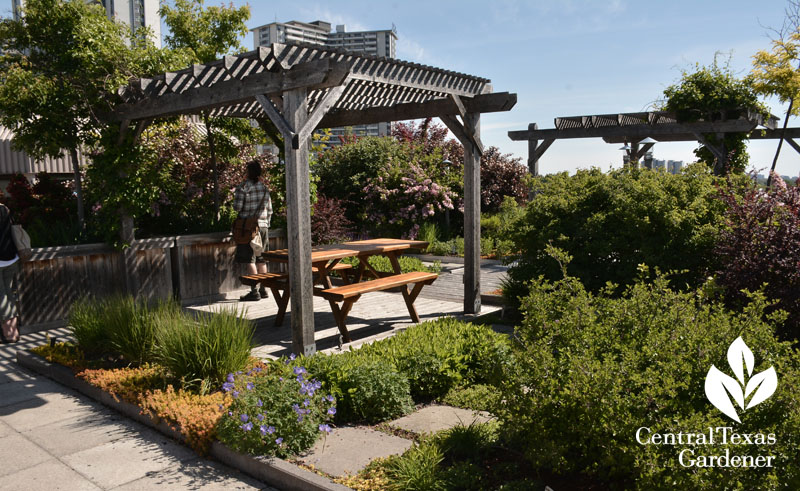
x=326 y=259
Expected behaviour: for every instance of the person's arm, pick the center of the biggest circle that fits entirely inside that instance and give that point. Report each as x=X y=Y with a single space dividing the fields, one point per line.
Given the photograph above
x=238 y=199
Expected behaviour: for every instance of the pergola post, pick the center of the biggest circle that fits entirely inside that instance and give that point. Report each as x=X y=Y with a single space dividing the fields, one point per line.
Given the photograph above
x=533 y=160
x=472 y=216
x=298 y=224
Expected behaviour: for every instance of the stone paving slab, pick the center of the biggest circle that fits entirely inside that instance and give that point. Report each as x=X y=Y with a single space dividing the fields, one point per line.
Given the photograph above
x=74 y=435
x=15 y=391
x=44 y=409
x=197 y=475
x=123 y=461
x=347 y=450
x=435 y=418
x=5 y=430
x=47 y=476
x=18 y=453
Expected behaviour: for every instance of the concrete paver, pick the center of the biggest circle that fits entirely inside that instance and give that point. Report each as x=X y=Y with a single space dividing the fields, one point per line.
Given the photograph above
x=16 y=453
x=197 y=474
x=74 y=435
x=122 y=461
x=48 y=476
x=347 y=450
x=45 y=409
x=436 y=418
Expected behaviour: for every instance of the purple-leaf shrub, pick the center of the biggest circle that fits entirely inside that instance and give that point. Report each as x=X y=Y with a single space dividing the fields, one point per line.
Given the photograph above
x=760 y=246
x=328 y=222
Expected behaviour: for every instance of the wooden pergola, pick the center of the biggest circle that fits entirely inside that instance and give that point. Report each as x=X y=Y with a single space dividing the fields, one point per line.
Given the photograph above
x=632 y=128
x=300 y=88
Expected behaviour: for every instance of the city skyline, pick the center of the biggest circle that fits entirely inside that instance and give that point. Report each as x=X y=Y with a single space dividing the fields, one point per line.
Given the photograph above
x=571 y=58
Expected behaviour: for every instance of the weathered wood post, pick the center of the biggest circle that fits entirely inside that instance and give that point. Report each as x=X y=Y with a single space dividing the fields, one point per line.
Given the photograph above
x=127 y=236
x=533 y=159
x=298 y=224
x=472 y=216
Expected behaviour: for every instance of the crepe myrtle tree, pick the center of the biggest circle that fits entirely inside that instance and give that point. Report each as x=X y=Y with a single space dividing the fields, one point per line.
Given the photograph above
x=58 y=64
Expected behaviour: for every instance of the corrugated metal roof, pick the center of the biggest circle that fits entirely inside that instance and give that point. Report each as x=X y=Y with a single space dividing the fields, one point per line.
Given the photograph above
x=14 y=161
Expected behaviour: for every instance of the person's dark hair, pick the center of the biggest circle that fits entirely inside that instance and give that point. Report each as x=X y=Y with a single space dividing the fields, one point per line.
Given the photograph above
x=254 y=170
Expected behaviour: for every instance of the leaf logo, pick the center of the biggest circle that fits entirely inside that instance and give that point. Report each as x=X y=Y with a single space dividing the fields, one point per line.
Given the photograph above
x=720 y=388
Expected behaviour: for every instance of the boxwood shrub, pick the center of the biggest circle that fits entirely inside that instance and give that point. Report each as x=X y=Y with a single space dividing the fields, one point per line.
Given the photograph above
x=593 y=369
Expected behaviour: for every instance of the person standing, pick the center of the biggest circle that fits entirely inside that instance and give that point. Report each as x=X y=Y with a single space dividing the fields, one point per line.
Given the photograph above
x=246 y=200
x=9 y=267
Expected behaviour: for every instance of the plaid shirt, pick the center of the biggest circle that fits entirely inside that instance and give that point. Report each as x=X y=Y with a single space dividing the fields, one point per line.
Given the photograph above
x=246 y=199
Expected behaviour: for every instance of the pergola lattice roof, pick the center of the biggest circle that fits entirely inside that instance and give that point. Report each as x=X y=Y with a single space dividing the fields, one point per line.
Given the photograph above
x=372 y=82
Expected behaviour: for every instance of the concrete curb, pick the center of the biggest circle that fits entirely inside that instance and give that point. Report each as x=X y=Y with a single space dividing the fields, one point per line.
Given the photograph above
x=273 y=471
x=491 y=299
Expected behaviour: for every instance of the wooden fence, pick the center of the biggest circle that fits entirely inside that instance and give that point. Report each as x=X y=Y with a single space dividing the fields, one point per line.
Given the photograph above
x=192 y=268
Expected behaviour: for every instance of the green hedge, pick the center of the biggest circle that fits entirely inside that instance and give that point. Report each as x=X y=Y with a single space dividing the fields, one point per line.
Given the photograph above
x=433 y=357
x=592 y=369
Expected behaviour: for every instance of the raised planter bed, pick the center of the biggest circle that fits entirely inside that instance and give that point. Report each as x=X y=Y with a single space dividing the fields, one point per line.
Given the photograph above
x=274 y=471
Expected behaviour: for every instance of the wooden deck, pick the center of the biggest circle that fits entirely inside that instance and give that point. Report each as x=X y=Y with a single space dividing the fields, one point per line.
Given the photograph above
x=377 y=315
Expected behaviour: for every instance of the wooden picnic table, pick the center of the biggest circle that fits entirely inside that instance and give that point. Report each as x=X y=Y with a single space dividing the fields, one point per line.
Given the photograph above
x=326 y=258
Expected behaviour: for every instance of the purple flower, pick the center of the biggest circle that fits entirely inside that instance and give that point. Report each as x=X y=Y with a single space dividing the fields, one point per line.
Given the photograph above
x=292 y=356
x=280 y=378
x=299 y=418
x=325 y=427
x=230 y=413
x=300 y=378
x=235 y=394
x=263 y=430
x=306 y=402
x=230 y=378
x=279 y=440
x=259 y=403
x=299 y=370
x=227 y=386
x=221 y=408
x=296 y=408
x=330 y=398
x=270 y=429
x=257 y=369
x=250 y=386
x=331 y=411
x=247 y=426
x=244 y=418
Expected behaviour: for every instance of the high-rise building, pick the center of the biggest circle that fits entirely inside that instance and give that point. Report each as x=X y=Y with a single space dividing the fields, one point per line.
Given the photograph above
x=378 y=43
x=671 y=166
x=133 y=13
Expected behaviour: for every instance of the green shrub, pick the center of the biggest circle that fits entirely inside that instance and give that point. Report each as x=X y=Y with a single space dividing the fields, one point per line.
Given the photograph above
x=612 y=222
x=417 y=469
x=478 y=397
x=464 y=476
x=487 y=246
x=468 y=442
x=458 y=245
x=407 y=264
x=365 y=390
x=279 y=413
x=437 y=248
x=428 y=232
x=86 y=324
x=203 y=350
x=593 y=368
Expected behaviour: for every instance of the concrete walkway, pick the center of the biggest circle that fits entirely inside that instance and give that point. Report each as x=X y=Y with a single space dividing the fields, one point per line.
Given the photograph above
x=54 y=438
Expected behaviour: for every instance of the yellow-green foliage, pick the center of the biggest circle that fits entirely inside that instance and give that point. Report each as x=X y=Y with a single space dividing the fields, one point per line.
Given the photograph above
x=65 y=354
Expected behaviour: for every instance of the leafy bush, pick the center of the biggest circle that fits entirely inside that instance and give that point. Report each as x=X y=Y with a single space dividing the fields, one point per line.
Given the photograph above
x=201 y=352
x=468 y=442
x=280 y=413
x=435 y=356
x=593 y=369
x=407 y=264
x=328 y=222
x=478 y=397
x=366 y=390
x=612 y=222
x=499 y=226
x=86 y=323
x=502 y=177
x=760 y=247
x=429 y=232
x=441 y=248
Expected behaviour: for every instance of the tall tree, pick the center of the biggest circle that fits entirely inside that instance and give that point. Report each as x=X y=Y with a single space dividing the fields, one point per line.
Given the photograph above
x=777 y=72
x=206 y=34
x=59 y=63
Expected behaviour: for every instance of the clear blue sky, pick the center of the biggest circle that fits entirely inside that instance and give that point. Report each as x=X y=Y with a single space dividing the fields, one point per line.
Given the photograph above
x=562 y=58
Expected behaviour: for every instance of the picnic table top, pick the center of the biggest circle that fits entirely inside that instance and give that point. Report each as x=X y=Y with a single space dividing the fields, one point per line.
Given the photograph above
x=368 y=247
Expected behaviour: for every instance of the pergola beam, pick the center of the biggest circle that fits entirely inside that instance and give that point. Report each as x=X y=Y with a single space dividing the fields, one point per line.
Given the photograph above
x=633 y=132
x=315 y=74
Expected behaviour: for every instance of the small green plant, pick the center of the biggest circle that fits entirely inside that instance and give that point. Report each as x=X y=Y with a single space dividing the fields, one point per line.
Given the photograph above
x=87 y=326
x=131 y=326
x=487 y=246
x=407 y=264
x=468 y=442
x=281 y=413
x=428 y=232
x=459 y=246
x=418 y=469
x=437 y=248
x=203 y=350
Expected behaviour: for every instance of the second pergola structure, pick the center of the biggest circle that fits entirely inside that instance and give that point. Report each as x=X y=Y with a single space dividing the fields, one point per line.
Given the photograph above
x=633 y=128
x=301 y=88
